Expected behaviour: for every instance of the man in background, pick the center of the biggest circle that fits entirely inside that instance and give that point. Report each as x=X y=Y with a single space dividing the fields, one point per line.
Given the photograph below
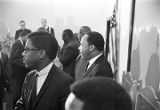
x=81 y=62
x=49 y=29
x=4 y=81
x=69 y=52
x=46 y=87
x=92 y=49
x=22 y=28
x=98 y=93
x=83 y=30
x=18 y=69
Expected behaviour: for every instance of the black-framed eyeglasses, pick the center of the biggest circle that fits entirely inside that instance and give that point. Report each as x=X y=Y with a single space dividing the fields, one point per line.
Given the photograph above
x=26 y=49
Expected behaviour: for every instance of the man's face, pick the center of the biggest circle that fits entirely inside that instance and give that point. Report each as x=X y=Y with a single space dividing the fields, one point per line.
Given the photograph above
x=73 y=103
x=31 y=55
x=44 y=23
x=82 y=32
x=22 y=25
x=84 y=48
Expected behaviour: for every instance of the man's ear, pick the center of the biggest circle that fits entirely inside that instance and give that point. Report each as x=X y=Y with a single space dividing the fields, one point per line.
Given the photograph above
x=91 y=48
x=42 y=54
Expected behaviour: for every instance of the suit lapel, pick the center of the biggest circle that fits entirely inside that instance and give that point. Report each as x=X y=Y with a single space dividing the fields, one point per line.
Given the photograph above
x=89 y=71
x=44 y=86
x=20 y=43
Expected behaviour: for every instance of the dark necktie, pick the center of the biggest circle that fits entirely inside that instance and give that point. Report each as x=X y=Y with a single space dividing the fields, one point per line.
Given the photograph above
x=34 y=88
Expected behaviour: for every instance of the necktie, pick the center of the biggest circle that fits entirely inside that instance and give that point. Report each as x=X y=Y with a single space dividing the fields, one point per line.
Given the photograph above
x=87 y=66
x=24 y=43
x=34 y=88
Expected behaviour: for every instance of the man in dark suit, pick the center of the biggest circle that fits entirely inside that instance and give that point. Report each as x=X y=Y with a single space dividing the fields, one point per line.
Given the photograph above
x=18 y=69
x=69 y=52
x=81 y=62
x=4 y=81
x=46 y=87
x=49 y=29
x=91 y=48
x=22 y=28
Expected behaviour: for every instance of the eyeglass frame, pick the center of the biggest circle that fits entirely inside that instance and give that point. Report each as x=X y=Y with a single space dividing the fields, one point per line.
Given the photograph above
x=30 y=49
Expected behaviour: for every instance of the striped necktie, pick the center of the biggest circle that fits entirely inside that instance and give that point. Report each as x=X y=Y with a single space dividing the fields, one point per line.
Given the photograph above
x=34 y=88
x=87 y=66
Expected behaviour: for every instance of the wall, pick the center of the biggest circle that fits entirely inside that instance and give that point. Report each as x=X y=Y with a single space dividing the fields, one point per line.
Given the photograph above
x=61 y=14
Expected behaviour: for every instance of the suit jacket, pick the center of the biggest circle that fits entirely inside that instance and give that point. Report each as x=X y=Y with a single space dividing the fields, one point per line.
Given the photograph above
x=19 y=31
x=52 y=95
x=68 y=57
x=51 y=31
x=80 y=67
x=16 y=57
x=100 y=67
x=4 y=60
x=18 y=68
x=3 y=76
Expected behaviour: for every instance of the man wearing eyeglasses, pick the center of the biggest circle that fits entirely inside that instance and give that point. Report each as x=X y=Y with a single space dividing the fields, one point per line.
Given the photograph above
x=46 y=87
x=18 y=69
x=22 y=28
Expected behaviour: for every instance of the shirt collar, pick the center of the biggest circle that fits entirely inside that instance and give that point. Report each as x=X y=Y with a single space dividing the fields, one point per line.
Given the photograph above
x=0 y=54
x=91 y=61
x=46 y=27
x=20 y=40
x=45 y=70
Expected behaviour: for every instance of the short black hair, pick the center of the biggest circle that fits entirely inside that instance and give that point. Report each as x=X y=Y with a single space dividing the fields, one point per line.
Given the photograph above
x=96 y=39
x=87 y=28
x=69 y=33
x=101 y=93
x=44 y=41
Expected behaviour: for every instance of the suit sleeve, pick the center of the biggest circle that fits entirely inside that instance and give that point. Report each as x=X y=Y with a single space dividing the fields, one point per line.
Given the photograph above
x=65 y=90
x=68 y=55
x=16 y=55
x=20 y=105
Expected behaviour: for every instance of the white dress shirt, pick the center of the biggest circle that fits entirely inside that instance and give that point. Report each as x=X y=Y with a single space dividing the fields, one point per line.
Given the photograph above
x=91 y=61
x=0 y=54
x=42 y=75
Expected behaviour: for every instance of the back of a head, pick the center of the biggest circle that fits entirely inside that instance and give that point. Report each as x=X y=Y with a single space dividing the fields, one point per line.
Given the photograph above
x=101 y=94
x=44 y=41
x=85 y=29
x=96 y=39
x=42 y=29
x=69 y=33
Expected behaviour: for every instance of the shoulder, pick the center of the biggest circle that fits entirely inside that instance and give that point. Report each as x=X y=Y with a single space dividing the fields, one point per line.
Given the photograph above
x=16 y=43
x=28 y=30
x=103 y=64
x=18 y=30
x=60 y=75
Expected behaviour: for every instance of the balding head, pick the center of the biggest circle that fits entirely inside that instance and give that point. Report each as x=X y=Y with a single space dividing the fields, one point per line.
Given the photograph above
x=83 y=30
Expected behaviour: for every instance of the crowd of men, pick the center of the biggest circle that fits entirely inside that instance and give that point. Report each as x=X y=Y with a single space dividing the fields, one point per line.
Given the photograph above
x=83 y=81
